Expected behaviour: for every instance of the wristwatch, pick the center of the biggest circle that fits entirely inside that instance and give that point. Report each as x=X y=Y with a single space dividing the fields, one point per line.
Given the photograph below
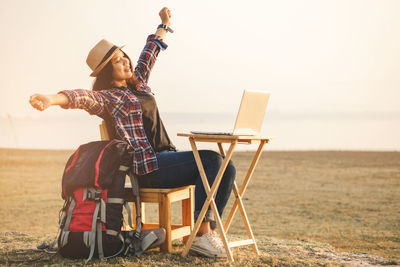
x=165 y=27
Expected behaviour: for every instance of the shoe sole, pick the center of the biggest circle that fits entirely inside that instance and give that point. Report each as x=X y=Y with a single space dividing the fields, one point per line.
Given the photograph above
x=205 y=253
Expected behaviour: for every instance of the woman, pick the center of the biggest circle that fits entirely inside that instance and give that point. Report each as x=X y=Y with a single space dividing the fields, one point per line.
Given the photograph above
x=122 y=97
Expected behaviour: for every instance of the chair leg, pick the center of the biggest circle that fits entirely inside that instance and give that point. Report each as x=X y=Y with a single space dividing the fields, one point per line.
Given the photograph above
x=187 y=212
x=164 y=212
x=143 y=212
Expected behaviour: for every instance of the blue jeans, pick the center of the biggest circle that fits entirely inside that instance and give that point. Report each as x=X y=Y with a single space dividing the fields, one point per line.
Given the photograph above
x=179 y=169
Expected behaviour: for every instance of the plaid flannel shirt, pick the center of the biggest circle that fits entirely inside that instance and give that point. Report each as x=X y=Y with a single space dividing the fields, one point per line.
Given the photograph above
x=124 y=108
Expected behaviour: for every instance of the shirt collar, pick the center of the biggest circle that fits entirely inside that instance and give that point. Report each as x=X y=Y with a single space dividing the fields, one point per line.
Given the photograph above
x=120 y=87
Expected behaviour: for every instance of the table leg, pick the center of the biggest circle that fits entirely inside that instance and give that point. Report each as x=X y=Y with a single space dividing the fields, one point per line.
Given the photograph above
x=210 y=198
x=221 y=149
x=245 y=219
x=244 y=185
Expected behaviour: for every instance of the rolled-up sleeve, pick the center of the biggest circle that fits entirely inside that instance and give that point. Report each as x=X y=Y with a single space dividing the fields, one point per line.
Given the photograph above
x=91 y=101
x=148 y=57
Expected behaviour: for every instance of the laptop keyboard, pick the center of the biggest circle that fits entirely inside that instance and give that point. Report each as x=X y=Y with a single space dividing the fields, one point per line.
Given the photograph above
x=211 y=133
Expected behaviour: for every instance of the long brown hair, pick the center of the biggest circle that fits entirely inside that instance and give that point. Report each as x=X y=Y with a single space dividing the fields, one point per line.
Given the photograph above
x=104 y=79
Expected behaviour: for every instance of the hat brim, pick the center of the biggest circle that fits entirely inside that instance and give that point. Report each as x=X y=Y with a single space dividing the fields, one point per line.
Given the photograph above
x=104 y=63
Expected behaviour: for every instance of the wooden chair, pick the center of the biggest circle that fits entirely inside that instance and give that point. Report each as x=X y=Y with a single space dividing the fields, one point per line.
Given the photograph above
x=164 y=197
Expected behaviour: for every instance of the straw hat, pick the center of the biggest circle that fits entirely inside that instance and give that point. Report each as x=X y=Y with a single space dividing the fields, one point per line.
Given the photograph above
x=100 y=54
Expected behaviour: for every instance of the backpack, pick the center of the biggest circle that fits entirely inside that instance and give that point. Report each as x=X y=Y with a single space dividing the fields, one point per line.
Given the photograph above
x=93 y=187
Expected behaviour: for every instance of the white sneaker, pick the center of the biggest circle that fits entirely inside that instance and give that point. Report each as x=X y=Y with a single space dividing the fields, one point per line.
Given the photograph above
x=209 y=245
x=218 y=239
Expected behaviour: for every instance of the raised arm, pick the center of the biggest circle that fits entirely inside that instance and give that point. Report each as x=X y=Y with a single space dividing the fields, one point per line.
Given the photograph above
x=42 y=102
x=152 y=48
x=92 y=102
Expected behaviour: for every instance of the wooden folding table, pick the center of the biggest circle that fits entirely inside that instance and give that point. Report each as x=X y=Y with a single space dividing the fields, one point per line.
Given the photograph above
x=223 y=229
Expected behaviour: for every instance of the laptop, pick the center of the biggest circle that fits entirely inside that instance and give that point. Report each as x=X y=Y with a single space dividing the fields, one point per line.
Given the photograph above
x=250 y=116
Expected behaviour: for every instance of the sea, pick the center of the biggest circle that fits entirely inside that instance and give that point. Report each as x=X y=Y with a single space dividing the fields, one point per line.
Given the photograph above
x=361 y=131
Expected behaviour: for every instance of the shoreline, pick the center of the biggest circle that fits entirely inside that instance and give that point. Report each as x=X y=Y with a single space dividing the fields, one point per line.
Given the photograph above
x=238 y=151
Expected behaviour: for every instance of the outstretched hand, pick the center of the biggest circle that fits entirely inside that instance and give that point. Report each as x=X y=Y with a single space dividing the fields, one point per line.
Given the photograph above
x=165 y=15
x=40 y=102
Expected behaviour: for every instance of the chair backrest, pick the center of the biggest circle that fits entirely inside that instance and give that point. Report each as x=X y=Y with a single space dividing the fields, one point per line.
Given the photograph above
x=103 y=131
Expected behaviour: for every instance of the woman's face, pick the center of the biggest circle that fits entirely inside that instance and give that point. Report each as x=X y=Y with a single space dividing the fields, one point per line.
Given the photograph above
x=121 y=67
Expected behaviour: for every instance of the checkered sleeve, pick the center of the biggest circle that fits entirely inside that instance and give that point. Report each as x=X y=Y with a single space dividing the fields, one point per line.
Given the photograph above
x=91 y=101
x=148 y=57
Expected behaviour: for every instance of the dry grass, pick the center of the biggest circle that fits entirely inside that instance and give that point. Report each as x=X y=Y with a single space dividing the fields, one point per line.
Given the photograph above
x=306 y=209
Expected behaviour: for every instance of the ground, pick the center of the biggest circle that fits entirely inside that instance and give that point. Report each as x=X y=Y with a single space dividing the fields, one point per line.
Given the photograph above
x=318 y=208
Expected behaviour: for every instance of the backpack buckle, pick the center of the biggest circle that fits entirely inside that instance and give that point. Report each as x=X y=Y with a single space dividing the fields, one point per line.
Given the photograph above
x=94 y=194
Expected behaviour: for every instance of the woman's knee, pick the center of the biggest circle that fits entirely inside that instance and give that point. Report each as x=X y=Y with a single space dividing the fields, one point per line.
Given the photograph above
x=230 y=170
x=211 y=157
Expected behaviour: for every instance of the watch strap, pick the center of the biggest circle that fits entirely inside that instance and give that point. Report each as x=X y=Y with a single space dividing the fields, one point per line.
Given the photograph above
x=165 y=27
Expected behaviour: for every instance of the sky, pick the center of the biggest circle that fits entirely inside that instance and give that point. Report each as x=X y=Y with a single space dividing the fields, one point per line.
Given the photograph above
x=314 y=57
